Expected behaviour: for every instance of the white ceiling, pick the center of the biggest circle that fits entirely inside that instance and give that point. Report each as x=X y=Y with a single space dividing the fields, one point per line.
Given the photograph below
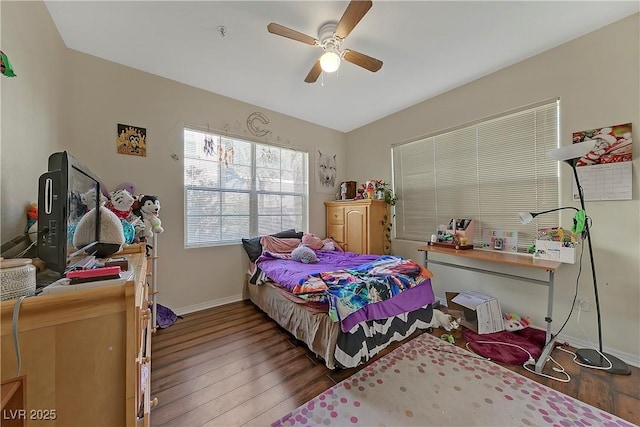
x=428 y=47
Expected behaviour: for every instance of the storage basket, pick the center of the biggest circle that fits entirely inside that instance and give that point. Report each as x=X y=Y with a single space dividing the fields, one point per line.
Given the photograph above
x=18 y=278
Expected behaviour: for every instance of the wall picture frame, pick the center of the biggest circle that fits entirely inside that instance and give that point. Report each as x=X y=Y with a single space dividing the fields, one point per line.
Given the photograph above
x=131 y=140
x=326 y=171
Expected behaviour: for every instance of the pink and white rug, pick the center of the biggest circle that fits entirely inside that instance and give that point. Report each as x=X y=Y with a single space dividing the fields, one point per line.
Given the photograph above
x=416 y=384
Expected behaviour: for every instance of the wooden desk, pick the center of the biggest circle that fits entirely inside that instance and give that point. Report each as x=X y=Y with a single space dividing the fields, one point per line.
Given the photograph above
x=507 y=259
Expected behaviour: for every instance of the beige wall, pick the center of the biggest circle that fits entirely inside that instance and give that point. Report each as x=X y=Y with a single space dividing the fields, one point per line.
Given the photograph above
x=105 y=94
x=597 y=79
x=33 y=119
x=93 y=96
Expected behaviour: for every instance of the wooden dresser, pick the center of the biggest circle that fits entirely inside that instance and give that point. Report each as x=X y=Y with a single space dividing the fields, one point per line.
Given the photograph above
x=86 y=354
x=358 y=225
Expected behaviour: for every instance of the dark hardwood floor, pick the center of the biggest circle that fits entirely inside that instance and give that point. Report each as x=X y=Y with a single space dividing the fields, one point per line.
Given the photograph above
x=233 y=366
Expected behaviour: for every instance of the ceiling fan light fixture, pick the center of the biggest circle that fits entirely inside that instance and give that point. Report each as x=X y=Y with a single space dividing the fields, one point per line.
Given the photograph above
x=330 y=62
x=330 y=37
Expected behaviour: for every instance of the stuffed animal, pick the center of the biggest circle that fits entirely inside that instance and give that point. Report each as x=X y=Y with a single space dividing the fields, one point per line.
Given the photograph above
x=513 y=322
x=111 y=233
x=148 y=209
x=88 y=199
x=121 y=204
x=304 y=254
x=32 y=222
x=312 y=241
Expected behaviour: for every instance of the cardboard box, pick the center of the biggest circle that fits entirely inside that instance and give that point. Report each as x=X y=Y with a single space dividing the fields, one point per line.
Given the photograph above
x=481 y=313
x=555 y=251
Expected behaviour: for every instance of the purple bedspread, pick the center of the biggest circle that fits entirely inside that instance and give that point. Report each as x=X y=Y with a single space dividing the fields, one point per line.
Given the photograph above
x=288 y=273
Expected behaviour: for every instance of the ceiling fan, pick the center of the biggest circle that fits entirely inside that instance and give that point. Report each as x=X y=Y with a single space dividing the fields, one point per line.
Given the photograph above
x=330 y=37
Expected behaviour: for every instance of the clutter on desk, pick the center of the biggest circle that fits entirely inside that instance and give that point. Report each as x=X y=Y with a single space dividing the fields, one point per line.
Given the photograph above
x=556 y=244
x=457 y=235
x=500 y=240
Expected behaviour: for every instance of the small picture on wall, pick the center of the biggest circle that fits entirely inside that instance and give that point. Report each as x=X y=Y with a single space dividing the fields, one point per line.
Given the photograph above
x=132 y=140
x=326 y=171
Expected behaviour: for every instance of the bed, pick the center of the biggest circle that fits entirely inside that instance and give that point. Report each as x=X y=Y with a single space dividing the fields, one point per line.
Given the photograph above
x=345 y=307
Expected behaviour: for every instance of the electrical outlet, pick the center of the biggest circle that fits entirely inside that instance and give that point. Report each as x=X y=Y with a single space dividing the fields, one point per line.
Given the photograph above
x=583 y=304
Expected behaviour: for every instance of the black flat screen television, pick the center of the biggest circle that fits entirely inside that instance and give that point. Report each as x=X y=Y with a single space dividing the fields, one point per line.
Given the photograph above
x=65 y=194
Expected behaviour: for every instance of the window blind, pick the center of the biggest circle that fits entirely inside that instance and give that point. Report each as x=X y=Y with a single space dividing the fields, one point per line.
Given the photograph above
x=488 y=171
x=262 y=190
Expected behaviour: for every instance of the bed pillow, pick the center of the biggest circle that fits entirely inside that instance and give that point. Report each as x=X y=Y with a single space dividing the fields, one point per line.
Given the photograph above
x=289 y=234
x=276 y=245
x=304 y=254
x=253 y=248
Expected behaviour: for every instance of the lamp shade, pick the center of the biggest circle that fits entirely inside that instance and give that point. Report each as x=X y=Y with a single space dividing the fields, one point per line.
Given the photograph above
x=330 y=62
x=570 y=152
x=525 y=217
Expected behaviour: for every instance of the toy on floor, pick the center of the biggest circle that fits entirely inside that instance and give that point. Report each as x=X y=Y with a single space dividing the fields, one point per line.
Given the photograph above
x=448 y=338
x=513 y=322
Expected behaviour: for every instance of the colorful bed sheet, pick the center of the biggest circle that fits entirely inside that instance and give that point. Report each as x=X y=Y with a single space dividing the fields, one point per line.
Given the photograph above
x=288 y=273
x=357 y=287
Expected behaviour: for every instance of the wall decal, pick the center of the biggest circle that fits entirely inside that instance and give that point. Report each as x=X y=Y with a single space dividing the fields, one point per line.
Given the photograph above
x=255 y=128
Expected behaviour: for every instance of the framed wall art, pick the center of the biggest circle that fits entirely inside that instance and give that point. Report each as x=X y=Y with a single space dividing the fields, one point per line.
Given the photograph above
x=326 y=171
x=131 y=140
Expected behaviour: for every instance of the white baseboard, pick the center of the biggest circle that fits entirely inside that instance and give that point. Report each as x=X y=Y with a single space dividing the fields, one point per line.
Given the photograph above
x=208 y=304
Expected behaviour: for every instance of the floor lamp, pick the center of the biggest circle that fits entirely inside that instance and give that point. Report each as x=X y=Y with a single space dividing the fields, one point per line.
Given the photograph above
x=590 y=357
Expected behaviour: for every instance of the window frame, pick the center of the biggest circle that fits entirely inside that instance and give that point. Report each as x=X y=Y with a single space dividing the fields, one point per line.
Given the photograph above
x=254 y=193
x=432 y=185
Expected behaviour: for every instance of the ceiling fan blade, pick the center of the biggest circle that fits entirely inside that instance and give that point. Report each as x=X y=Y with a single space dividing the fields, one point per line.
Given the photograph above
x=354 y=13
x=362 y=60
x=314 y=73
x=283 y=31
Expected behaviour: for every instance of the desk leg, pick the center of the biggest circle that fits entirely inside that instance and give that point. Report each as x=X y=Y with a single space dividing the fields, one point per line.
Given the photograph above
x=549 y=340
x=549 y=308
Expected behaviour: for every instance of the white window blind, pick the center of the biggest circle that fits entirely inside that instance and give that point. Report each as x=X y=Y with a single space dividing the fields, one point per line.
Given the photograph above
x=487 y=171
x=263 y=190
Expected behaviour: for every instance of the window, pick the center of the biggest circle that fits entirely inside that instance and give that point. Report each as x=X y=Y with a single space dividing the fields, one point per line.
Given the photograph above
x=488 y=171
x=235 y=189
